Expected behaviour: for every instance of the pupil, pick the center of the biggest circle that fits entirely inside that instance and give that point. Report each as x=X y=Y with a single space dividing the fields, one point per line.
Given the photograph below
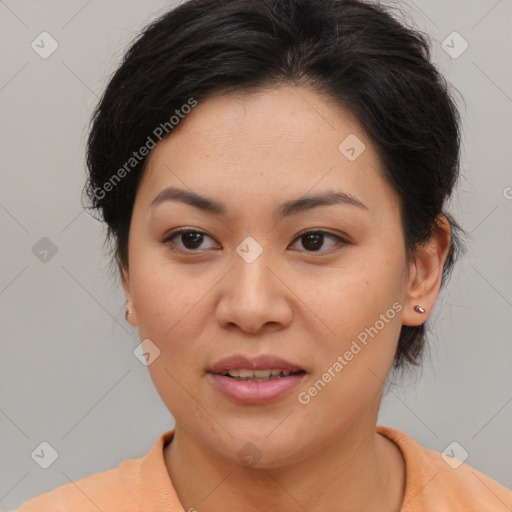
x=313 y=241
x=311 y=238
x=194 y=238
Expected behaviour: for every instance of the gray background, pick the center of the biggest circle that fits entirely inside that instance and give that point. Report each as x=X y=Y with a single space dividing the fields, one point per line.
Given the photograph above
x=69 y=376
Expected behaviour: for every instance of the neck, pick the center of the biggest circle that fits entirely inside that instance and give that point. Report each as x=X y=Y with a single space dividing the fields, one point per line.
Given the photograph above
x=360 y=470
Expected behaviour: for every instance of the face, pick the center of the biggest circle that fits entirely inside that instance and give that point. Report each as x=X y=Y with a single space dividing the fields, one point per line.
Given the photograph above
x=321 y=284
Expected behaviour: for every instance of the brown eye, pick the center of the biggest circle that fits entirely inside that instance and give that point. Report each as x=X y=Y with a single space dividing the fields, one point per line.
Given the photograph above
x=313 y=241
x=185 y=240
x=191 y=240
x=188 y=240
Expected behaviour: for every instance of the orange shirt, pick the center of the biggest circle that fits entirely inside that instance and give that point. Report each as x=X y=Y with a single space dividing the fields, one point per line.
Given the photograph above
x=143 y=485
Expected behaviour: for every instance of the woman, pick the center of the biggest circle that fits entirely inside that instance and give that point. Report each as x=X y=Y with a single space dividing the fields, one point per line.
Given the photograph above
x=274 y=175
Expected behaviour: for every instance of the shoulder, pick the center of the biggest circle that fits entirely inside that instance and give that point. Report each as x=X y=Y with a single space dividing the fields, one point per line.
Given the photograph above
x=137 y=484
x=436 y=481
x=91 y=493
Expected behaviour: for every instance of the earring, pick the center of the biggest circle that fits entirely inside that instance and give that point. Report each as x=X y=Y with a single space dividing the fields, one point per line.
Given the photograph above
x=419 y=309
x=127 y=314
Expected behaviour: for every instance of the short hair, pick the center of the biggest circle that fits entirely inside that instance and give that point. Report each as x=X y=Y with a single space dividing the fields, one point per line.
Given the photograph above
x=353 y=51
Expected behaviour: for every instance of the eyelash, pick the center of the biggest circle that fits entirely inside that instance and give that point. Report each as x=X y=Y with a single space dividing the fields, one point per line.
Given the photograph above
x=180 y=231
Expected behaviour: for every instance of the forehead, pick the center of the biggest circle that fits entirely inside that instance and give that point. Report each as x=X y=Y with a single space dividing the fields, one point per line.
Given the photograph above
x=265 y=143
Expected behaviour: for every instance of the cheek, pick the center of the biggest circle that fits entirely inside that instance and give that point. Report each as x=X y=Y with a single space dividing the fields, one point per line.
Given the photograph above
x=169 y=302
x=355 y=353
x=358 y=317
x=353 y=295
x=171 y=314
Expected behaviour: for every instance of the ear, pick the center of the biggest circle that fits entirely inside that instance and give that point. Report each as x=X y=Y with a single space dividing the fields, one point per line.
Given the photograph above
x=425 y=274
x=125 y=278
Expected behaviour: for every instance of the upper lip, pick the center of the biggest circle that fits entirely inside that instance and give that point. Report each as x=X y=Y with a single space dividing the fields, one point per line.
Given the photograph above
x=260 y=362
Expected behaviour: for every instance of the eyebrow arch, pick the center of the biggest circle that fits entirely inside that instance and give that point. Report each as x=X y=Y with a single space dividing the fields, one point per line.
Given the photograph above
x=286 y=209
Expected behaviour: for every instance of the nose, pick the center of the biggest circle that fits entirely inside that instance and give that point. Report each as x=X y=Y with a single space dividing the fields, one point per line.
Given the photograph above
x=254 y=297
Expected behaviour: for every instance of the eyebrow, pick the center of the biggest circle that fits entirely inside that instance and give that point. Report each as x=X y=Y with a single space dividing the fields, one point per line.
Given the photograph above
x=286 y=209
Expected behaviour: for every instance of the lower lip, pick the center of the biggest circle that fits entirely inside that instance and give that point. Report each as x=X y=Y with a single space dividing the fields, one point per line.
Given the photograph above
x=256 y=392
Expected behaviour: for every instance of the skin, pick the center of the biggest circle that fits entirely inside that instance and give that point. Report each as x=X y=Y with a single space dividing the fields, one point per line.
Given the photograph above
x=253 y=152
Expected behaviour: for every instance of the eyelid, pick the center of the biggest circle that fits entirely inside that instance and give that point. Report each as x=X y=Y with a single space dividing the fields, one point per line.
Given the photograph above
x=340 y=238
x=337 y=234
x=174 y=232
x=178 y=231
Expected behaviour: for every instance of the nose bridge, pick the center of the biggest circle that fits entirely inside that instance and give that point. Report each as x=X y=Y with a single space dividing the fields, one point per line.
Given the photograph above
x=252 y=263
x=253 y=296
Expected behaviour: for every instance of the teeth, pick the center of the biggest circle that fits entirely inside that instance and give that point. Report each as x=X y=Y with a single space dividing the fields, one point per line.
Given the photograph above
x=259 y=374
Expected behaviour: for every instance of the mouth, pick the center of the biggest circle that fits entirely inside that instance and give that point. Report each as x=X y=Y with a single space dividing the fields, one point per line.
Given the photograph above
x=248 y=379
x=247 y=375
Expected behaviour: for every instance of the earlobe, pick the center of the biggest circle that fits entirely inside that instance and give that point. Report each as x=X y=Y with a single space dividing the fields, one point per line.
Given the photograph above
x=426 y=272
x=130 y=316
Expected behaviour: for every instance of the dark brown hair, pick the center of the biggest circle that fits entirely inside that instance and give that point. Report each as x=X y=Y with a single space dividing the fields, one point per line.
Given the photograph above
x=354 y=51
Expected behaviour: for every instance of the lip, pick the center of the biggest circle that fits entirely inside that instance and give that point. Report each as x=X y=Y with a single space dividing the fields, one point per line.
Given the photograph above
x=255 y=392
x=260 y=362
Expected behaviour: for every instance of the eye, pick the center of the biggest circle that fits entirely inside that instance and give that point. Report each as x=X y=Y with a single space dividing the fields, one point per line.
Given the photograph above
x=314 y=240
x=189 y=238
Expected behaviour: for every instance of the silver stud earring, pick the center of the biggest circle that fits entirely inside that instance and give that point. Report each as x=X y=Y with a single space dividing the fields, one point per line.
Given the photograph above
x=419 y=309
